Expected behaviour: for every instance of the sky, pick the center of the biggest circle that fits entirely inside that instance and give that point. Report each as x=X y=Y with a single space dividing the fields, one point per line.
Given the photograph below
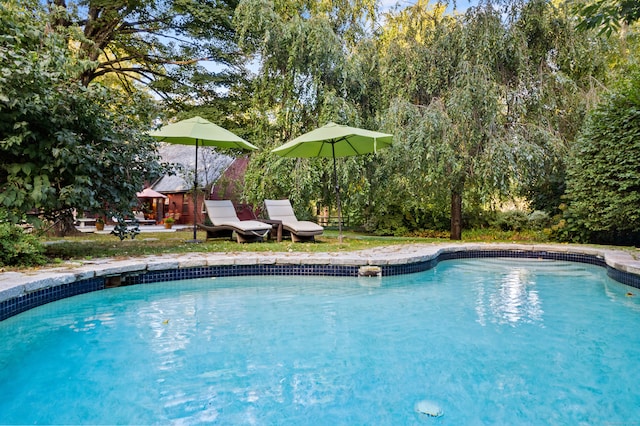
x=461 y=5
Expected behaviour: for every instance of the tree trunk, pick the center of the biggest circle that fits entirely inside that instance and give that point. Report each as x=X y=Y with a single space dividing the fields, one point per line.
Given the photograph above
x=456 y=215
x=65 y=227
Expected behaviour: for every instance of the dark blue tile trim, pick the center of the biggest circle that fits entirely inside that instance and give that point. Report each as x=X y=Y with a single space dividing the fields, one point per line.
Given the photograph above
x=241 y=270
x=476 y=254
x=632 y=280
x=28 y=301
x=36 y=298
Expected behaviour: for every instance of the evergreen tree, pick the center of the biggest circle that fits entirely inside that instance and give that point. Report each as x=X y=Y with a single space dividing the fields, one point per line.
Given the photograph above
x=603 y=183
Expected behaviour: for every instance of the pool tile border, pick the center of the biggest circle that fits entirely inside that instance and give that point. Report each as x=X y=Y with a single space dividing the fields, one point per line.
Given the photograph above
x=26 y=301
x=20 y=292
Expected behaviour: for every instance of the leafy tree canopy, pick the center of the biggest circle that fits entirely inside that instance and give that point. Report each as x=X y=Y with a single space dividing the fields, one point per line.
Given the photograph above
x=160 y=44
x=608 y=15
x=305 y=52
x=482 y=105
x=63 y=145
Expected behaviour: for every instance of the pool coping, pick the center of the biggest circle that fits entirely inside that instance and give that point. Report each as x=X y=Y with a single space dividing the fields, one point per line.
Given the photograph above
x=21 y=291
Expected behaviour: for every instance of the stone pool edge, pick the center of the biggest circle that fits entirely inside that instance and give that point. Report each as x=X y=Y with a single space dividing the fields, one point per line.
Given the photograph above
x=20 y=291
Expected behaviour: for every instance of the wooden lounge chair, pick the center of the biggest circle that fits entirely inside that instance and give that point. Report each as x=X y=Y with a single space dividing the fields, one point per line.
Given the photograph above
x=300 y=230
x=225 y=223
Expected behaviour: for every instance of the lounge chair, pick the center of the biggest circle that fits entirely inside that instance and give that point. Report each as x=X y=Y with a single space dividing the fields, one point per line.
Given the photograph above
x=300 y=230
x=225 y=223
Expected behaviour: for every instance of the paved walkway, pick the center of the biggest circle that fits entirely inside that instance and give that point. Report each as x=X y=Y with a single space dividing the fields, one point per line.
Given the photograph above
x=14 y=284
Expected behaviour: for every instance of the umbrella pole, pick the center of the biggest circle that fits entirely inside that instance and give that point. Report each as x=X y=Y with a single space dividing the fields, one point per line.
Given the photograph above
x=195 y=195
x=335 y=177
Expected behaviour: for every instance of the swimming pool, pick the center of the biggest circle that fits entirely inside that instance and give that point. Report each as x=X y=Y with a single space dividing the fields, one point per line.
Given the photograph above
x=486 y=341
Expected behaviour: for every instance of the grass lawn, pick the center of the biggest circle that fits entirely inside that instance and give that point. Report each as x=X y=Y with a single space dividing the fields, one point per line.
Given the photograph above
x=92 y=246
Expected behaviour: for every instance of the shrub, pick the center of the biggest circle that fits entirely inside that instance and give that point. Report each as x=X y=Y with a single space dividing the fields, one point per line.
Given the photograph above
x=539 y=220
x=511 y=220
x=603 y=177
x=18 y=248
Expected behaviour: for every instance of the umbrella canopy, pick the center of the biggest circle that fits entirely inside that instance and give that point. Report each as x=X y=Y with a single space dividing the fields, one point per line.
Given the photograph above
x=334 y=140
x=150 y=193
x=198 y=131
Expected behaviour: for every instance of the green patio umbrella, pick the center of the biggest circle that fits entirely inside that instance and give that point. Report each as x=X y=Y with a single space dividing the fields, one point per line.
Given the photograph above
x=200 y=132
x=334 y=140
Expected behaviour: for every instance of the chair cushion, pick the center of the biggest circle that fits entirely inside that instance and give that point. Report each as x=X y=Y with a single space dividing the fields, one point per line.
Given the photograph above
x=302 y=226
x=245 y=225
x=280 y=210
x=220 y=211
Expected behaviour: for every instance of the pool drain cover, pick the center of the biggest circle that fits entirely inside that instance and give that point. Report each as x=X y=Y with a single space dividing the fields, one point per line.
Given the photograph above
x=429 y=408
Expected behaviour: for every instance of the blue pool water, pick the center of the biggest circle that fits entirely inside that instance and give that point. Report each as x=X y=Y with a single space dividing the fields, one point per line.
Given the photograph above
x=486 y=341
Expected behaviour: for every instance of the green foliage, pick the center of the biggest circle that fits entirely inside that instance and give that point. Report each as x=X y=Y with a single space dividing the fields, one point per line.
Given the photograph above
x=307 y=77
x=301 y=63
x=515 y=221
x=511 y=220
x=160 y=45
x=539 y=220
x=558 y=95
x=608 y=15
x=63 y=145
x=18 y=248
x=483 y=105
x=603 y=180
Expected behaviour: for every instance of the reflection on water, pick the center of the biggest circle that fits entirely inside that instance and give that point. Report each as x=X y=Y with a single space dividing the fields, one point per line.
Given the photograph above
x=91 y=322
x=513 y=298
x=172 y=326
x=623 y=295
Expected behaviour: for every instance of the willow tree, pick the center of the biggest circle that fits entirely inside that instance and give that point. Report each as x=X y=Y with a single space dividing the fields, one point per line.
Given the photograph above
x=302 y=48
x=471 y=98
